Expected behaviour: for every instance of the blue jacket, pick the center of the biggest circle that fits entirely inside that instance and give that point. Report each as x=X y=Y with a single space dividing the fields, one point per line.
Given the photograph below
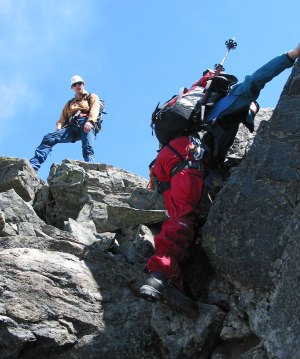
x=243 y=94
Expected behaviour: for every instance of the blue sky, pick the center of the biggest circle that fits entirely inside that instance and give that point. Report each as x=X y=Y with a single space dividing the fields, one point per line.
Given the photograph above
x=133 y=54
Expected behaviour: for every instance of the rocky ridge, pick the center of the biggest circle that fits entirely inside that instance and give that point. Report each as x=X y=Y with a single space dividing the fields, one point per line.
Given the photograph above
x=73 y=252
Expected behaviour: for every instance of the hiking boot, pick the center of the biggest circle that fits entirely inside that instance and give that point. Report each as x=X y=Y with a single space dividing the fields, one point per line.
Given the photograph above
x=89 y=159
x=158 y=288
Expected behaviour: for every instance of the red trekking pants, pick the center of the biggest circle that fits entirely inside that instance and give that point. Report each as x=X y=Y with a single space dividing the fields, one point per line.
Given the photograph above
x=178 y=231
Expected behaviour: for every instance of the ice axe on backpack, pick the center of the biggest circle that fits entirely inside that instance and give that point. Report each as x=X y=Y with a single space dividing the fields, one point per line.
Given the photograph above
x=230 y=45
x=218 y=84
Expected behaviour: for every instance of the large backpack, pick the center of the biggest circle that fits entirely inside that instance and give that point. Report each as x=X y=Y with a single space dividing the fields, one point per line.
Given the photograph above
x=185 y=112
x=98 y=123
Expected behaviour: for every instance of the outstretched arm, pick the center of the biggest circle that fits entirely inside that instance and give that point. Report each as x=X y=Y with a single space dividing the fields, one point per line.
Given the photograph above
x=294 y=54
x=243 y=94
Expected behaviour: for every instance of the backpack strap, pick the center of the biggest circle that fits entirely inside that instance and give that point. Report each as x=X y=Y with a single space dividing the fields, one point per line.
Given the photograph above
x=163 y=186
x=183 y=164
x=86 y=95
x=73 y=118
x=102 y=104
x=176 y=152
x=72 y=99
x=196 y=165
x=88 y=98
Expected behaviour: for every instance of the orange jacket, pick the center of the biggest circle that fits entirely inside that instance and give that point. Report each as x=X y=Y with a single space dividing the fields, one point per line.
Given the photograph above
x=82 y=105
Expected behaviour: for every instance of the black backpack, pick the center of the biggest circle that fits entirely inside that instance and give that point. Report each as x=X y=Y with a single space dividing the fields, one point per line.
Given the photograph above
x=98 y=123
x=185 y=113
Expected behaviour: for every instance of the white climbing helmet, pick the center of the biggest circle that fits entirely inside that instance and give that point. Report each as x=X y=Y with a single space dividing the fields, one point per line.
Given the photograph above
x=76 y=78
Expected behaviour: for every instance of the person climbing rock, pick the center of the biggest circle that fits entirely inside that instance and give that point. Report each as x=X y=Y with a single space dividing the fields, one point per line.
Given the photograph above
x=179 y=170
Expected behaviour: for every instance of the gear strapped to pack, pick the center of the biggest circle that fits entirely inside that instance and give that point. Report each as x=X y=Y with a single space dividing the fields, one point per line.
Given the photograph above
x=190 y=113
x=185 y=112
x=184 y=164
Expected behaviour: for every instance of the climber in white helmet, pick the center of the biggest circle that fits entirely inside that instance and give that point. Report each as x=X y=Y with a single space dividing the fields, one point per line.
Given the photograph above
x=77 y=122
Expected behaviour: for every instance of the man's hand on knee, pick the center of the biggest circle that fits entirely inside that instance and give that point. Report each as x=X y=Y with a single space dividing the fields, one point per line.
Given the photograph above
x=87 y=127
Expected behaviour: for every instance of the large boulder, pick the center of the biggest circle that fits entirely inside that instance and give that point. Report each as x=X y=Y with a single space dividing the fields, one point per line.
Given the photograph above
x=109 y=197
x=252 y=233
x=17 y=174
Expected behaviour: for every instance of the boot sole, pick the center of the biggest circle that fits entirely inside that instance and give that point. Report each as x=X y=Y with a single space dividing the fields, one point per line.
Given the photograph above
x=172 y=297
x=149 y=293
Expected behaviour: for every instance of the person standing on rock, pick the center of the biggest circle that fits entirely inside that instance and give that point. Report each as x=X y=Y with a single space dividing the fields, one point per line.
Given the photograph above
x=77 y=122
x=180 y=172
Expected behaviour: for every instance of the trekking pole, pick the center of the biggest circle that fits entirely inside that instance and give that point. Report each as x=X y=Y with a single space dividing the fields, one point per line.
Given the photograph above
x=230 y=45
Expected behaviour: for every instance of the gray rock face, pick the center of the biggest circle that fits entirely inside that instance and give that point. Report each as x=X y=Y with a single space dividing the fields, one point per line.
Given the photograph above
x=2 y=220
x=252 y=233
x=73 y=252
x=18 y=174
x=109 y=197
x=73 y=292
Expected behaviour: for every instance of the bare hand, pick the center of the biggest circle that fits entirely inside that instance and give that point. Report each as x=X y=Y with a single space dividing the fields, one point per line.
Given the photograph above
x=87 y=127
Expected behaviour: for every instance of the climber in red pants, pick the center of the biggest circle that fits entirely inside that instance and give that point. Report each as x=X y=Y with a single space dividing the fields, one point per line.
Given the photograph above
x=182 y=177
x=179 y=165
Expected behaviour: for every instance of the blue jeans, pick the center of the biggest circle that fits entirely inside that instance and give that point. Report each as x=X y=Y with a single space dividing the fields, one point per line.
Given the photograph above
x=243 y=94
x=71 y=133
